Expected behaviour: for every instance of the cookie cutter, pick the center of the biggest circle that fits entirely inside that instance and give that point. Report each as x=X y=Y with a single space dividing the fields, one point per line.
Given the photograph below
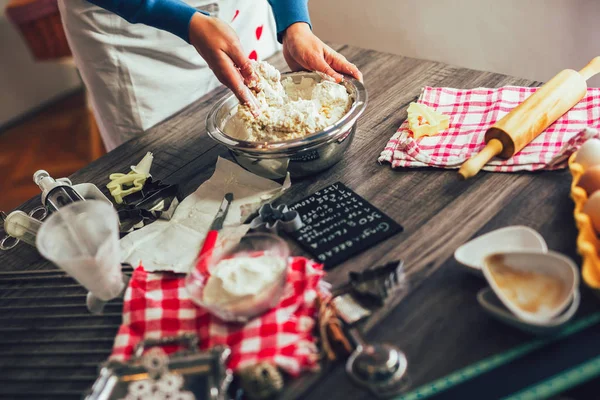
x=118 y=180
x=135 y=179
x=379 y=283
x=134 y=219
x=272 y=218
x=157 y=197
x=155 y=201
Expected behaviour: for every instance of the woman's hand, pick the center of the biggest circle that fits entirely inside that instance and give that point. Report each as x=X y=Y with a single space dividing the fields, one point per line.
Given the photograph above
x=220 y=47
x=304 y=51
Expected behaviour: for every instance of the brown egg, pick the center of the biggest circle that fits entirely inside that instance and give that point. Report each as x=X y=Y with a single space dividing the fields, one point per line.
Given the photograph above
x=588 y=154
x=592 y=209
x=590 y=180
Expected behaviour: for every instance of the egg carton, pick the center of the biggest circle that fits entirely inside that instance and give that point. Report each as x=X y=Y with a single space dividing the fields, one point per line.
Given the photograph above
x=588 y=243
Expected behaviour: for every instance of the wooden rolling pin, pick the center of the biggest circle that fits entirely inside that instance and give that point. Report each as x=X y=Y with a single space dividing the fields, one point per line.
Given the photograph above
x=530 y=118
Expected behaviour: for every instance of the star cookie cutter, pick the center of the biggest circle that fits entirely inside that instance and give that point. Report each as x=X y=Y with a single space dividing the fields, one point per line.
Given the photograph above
x=272 y=218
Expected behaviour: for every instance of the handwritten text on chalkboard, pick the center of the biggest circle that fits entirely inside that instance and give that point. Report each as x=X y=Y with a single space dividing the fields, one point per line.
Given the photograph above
x=337 y=223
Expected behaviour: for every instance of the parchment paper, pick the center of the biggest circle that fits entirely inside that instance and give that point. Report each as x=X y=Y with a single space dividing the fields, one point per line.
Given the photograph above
x=173 y=245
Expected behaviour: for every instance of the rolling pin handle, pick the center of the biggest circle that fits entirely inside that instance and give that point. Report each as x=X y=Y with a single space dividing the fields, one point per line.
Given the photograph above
x=474 y=164
x=591 y=69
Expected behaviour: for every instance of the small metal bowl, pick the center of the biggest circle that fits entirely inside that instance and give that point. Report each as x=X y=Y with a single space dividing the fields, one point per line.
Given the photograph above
x=300 y=157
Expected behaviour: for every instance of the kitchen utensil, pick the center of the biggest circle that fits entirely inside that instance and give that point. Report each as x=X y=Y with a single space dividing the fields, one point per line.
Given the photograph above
x=155 y=201
x=244 y=307
x=56 y=193
x=493 y=305
x=186 y=374
x=89 y=191
x=515 y=278
x=83 y=239
x=272 y=218
x=530 y=118
x=510 y=238
x=213 y=233
x=217 y=224
x=300 y=157
x=17 y=223
x=156 y=197
x=122 y=185
x=134 y=183
x=377 y=284
x=20 y=226
x=379 y=367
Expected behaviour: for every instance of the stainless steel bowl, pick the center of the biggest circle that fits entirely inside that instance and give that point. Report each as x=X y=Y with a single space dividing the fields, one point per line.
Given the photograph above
x=300 y=157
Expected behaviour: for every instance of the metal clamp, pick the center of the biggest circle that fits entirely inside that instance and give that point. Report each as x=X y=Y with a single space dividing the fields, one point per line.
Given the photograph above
x=190 y=341
x=9 y=242
x=271 y=219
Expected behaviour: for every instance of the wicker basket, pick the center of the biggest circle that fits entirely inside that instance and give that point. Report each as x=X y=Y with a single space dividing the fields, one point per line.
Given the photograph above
x=587 y=240
x=40 y=25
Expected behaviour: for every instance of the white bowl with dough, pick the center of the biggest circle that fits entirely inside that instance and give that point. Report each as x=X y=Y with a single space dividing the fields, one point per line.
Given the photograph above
x=511 y=238
x=535 y=287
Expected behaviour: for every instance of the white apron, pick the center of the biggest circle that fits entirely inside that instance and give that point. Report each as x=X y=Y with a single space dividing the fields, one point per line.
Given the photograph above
x=138 y=75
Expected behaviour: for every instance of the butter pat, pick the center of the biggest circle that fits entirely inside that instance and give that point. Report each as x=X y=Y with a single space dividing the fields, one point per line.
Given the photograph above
x=425 y=121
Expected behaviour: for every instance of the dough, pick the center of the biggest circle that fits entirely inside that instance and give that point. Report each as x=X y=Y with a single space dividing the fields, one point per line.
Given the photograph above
x=288 y=110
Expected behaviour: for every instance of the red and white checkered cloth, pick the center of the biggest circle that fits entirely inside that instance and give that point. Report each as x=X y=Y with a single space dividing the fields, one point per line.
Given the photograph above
x=472 y=112
x=158 y=305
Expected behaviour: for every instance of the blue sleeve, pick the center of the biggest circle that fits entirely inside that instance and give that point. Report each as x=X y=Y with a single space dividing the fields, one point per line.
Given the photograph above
x=169 y=15
x=288 y=12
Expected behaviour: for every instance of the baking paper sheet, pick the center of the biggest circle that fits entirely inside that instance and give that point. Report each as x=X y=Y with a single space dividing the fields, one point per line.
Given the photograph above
x=173 y=245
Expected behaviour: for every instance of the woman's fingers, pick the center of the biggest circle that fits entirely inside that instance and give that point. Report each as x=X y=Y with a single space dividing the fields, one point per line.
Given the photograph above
x=243 y=63
x=320 y=65
x=351 y=69
x=294 y=65
x=339 y=63
x=219 y=45
x=230 y=76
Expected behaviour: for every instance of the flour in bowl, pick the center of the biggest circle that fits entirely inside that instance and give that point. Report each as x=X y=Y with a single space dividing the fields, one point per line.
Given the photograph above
x=289 y=110
x=243 y=279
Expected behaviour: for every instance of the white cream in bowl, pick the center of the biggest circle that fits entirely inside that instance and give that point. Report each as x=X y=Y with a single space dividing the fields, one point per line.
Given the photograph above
x=241 y=279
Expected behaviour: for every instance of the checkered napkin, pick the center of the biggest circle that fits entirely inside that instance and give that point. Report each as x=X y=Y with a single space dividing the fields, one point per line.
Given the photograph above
x=157 y=305
x=472 y=112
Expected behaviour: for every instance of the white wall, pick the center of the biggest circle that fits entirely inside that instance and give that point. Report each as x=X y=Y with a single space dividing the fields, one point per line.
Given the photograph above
x=532 y=39
x=24 y=83
x=527 y=38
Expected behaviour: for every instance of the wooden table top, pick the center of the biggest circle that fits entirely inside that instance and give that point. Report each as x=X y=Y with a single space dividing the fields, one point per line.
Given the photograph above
x=50 y=346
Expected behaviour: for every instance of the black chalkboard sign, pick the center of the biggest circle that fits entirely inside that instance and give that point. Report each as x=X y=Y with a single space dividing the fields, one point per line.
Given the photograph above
x=338 y=223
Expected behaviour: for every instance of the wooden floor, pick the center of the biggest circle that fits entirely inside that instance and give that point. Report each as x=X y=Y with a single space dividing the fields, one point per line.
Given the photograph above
x=61 y=139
